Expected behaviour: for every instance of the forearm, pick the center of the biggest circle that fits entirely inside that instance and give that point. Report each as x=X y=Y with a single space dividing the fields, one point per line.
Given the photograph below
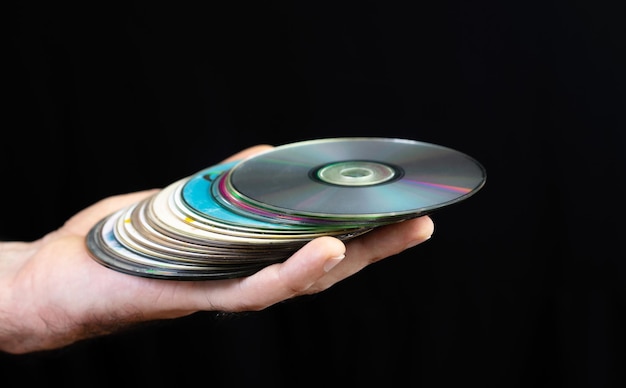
x=14 y=332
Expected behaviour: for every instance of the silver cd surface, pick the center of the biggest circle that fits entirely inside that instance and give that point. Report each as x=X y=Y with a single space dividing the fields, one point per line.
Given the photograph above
x=360 y=178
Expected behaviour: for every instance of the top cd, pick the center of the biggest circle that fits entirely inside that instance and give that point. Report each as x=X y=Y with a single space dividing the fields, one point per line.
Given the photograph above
x=354 y=179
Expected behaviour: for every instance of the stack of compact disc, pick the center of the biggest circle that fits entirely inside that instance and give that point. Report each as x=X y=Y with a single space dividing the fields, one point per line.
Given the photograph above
x=233 y=219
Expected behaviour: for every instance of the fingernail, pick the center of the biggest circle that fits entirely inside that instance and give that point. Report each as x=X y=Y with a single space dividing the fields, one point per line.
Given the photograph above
x=414 y=243
x=332 y=262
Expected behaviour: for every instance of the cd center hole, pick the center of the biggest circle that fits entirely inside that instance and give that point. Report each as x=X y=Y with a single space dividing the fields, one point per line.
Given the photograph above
x=355 y=172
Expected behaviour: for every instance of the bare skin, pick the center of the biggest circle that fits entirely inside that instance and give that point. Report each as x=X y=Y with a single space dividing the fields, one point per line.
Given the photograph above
x=52 y=293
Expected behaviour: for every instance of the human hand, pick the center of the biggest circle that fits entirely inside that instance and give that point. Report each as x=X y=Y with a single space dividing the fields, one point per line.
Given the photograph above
x=52 y=293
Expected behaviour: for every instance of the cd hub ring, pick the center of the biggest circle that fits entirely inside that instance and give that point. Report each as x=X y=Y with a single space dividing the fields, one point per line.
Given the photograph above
x=355 y=173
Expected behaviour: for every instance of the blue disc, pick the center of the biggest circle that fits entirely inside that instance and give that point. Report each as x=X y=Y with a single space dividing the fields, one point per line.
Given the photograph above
x=197 y=196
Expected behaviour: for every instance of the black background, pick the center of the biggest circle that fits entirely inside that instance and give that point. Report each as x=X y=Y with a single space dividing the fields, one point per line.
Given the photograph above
x=522 y=285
